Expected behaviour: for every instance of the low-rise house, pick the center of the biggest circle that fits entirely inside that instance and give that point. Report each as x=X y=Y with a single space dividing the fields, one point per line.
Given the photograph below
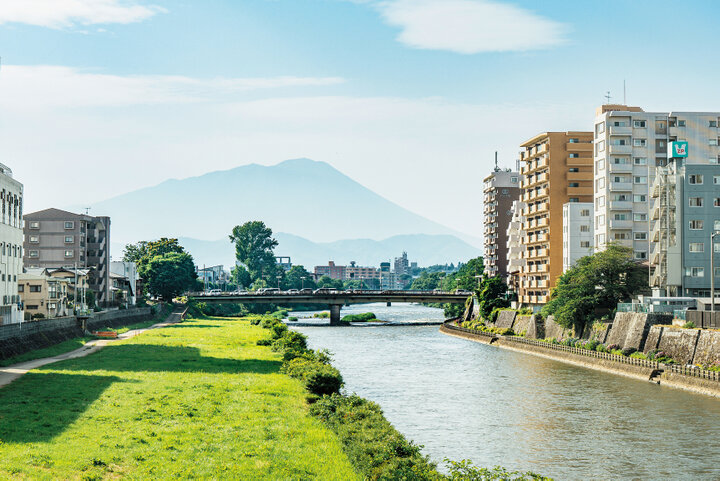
x=128 y=271
x=43 y=296
x=122 y=290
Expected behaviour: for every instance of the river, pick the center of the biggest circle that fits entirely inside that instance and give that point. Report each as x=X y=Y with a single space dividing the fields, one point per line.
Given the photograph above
x=466 y=400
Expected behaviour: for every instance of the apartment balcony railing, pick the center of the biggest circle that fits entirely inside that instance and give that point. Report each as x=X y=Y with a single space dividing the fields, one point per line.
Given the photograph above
x=621 y=186
x=621 y=224
x=621 y=205
x=620 y=149
x=620 y=168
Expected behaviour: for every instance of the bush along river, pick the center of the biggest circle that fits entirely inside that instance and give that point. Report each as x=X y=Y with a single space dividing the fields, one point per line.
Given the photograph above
x=467 y=400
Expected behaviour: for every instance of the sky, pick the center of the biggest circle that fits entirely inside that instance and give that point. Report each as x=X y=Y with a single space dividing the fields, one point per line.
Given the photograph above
x=411 y=98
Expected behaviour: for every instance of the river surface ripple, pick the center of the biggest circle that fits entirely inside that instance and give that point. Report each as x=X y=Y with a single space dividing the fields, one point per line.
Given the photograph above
x=465 y=400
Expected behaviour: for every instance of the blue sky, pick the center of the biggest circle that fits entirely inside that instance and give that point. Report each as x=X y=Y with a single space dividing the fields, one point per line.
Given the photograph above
x=409 y=97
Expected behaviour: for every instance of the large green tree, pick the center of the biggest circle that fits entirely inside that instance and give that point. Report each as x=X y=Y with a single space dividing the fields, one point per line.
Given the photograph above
x=141 y=253
x=298 y=277
x=170 y=274
x=595 y=285
x=254 y=244
x=492 y=295
x=427 y=281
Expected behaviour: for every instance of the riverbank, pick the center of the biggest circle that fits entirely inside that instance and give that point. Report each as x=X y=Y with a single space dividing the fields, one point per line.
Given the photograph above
x=693 y=380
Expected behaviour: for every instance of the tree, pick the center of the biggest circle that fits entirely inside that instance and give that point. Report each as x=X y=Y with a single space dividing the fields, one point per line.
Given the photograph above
x=240 y=277
x=143 y=252
x=594 y=286
x=427 y=281
x=294 y=278
x=329 y=283
x=254 y=246
x=492 y=296
x=170 y=274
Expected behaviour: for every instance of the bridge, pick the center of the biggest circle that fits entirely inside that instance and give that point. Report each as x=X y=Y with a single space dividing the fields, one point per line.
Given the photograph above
x=335 y=299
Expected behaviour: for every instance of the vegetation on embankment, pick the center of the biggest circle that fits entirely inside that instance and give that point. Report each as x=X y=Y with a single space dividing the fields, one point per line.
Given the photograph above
x=196 y=400
x=364 y=317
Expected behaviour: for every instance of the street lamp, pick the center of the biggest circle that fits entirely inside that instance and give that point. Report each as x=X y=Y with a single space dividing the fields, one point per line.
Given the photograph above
x=278 y=279
x=302 y=282
x=712 y=271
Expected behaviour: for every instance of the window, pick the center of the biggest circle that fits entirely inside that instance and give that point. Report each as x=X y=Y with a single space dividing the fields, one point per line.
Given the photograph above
x=696 y=225
x=504 y=192
x=716 y=179
x=695 y=272
x=513 y=180
x=640 y=160
x=601 y=239
x=681 y=123
x=640 y=179
x=713 y=141
x=34 y=225
x=620 y=160
x=574 y=184
x=639 y=124
x=600 y=201
x=35 y=288
x=574 y=156
x=69 y=224
x=697 y=247
x=716 y=202
x=696 y=201
x=639 y=217
x=34 y=254
x=574 y=141
x=584 y=228
x=600 y=147
x=639 y=142
x=69 y=239
x=717 y=272
x=600 y=128
x=600 y=184
x=619 y=123
x=620 y=216
x=69 y=253
x=712 y=123
x=619 y=142
x=640 y=255
x=585 y=213
x=21 y=288
x=585 y=244
x=573 y=169
x=601 y=221
x=716 y=226
x=601 y=164
x=639 y=198
x=574 y=199
x=641 y=236
x=34 y=239
x=716 y=247
x=695 y=179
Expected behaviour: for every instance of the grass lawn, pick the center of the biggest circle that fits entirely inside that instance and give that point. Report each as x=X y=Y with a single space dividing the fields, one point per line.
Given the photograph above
x=198 y=400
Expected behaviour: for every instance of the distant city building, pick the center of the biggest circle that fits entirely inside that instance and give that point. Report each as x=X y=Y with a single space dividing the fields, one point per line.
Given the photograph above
x=11 y=238
x=515 y=246
x=128 y=271
x=630 y=145
x=402 y=265
x=685 y=212
x=284 y=262
x=578 y=221
x=387 y=277
x=212 y=274
x=500 y=189
x=331 y=270
x=43 y=296
x=353 y=272
x=556 y=169
x=55 y=238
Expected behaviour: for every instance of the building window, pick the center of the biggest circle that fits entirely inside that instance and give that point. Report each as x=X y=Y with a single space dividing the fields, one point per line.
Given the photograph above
x=716 y=226
x=696 y=201
x=620 y=216
x=514 y=180
x=712 y=123
x=585 y=213
x=69 y=239
x=640 y=255
x=34 y=225
x=585 y=244
x=573 y=184
x=713 y=141
x=639 y=217
x=695 y=272
x=69 y=224
x=716 y=179
x=601 y=221
x=640 y=160
x=696 y=225
x=620 y=160
x=600 y=128
x=573 y=169
x=34 y=239
x=601 y=239
x=574 y=156
x=600 y=147
x=717 y=272
x=695 y=179
x=69 y=254
x=681 y=123
x=600 y=201
x=600 y=164
x=34 y=254
x=640 y=235
x=574 y=199
x=716 y=202
x=697 y=247
x=504 y=192
x=639 y=124
x=640 y=179
x=619 y=142
x=573 y=141
x=21 y=288
x=35 y=288
x=639 y=142
x=639 y=198
x=584 y=228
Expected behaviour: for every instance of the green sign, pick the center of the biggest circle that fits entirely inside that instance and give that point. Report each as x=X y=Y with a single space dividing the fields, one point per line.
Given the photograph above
x=677 y=149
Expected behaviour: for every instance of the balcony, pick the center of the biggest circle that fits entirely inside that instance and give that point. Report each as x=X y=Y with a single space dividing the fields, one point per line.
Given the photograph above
x=621 y=224
x=616 y=130
x=620 y=168
x=620 y=186
x=579 y=147
x=621 y=149
x=580 y=190
x=621 y=205
x=588 y=176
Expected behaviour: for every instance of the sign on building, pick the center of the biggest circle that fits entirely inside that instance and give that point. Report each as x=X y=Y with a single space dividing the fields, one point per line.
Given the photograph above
x=677 y=149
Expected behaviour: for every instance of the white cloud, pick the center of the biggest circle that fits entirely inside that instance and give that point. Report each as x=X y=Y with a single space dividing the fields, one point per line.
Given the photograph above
x=42 y=87
x=68 y=13
x=470 y=26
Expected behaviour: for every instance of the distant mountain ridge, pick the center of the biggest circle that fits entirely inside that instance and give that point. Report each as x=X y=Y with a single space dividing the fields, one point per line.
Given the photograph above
x=311 y=199
x=424 y=249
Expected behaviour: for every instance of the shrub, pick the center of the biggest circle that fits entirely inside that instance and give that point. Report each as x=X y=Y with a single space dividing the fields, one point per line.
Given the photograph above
x=628 y=350
x=639 y=355
x=278 y=330
x=290 y=341
x=591 y=345
x=689 y=325
x=505 y=332
x=38 y=316
x=322 y=315
x=368 y=316
x=264 y=342
x=613 y=347
x=325 y=380
x=292 y=319
x=601 y=348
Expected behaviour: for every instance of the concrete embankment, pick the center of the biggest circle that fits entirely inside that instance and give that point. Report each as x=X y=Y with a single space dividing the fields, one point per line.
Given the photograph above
x=695 y=380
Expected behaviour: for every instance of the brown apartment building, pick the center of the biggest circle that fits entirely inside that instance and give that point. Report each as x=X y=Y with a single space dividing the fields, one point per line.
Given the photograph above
x=56 y=238
x=556 y=168
x=500 y=189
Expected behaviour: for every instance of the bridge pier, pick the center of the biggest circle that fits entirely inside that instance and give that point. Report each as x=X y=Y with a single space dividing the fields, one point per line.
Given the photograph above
x=335 y=314
x=389 y=304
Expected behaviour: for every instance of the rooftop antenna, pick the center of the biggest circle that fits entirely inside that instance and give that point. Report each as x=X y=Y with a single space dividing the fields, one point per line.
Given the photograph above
x=607 y=96
x=496 y=164
x=87 y=210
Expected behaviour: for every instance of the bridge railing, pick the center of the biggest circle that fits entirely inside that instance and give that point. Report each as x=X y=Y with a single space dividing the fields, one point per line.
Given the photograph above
x=329 y=292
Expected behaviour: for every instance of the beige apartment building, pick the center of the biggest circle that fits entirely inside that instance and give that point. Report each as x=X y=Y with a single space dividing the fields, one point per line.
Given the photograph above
x=500 y=190
x=556 y=168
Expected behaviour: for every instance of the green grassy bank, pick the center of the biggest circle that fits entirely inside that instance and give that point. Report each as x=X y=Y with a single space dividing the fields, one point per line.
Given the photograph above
x=198 y=400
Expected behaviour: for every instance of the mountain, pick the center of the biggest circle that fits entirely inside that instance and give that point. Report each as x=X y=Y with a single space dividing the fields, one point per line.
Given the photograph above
x=311 y=199
x=421 y=248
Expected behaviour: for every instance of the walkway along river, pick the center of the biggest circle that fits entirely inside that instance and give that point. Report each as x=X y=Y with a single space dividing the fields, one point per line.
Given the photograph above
x=466 y=400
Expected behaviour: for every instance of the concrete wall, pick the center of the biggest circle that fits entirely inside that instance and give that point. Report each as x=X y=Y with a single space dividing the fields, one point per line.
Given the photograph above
x=687 y=346
x=553 y=329
x=505 y=319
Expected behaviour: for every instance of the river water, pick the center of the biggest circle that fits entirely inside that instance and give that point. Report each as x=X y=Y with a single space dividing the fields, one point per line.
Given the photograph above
x=466 y=400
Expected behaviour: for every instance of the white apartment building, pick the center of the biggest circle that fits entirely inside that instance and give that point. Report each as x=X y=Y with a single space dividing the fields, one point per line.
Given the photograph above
x=629 y=144
x=515 y=245
x=577 y=232
x=11 y=241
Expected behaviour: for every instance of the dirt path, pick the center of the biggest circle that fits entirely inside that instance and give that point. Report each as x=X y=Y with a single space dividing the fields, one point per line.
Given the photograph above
x=10 y=373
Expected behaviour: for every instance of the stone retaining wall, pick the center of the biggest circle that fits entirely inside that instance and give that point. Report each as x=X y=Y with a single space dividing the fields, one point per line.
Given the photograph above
x=505 y=319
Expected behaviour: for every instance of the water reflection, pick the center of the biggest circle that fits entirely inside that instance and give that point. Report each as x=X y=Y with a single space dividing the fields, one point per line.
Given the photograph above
x=497 y=407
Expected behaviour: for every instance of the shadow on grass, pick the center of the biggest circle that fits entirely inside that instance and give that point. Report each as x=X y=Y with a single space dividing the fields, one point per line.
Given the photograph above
x=203 y=326
x=40 y=406
x=157 y=358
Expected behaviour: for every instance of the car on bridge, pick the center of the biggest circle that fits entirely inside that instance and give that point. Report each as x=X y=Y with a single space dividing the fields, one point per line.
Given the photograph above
x=326 y=290
x=306 y=291
x=214 y=292
x=268 y=291
x=463 y=292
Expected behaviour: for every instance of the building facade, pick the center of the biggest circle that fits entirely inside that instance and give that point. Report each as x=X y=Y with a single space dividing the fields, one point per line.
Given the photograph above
x=44 y=296
x=629 y=146
x=56 y=238
x=354 y=271
x=556 y=168
x=515 y=247
x=402 y=265
x=500 y=190
x=11 y=238
x=331 y=270
x=578 y=220
x=128 y=270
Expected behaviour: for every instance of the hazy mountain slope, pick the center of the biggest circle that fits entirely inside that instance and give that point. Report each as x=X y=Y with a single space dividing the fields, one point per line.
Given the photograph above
x=310 y=199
